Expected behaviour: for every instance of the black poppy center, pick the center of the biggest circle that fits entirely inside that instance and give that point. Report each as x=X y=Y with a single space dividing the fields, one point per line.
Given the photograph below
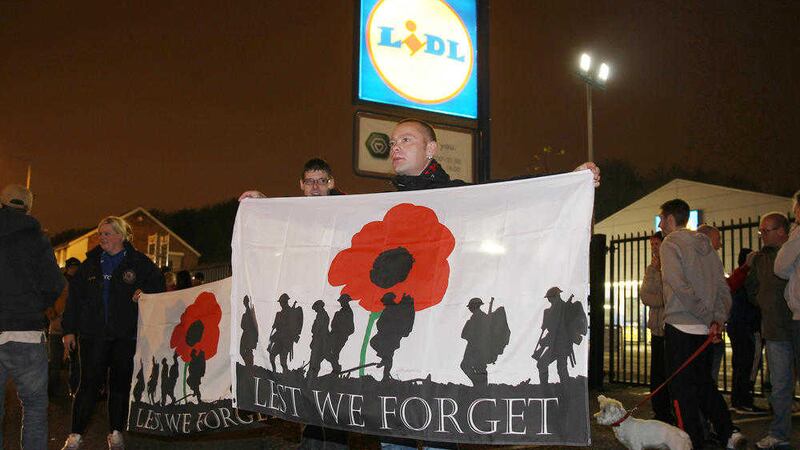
x=391 y=267
x=194 y=333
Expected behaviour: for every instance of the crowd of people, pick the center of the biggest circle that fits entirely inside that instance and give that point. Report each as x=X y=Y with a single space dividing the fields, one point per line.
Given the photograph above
x=690 y=299
x=685 y=288
x=86 y=316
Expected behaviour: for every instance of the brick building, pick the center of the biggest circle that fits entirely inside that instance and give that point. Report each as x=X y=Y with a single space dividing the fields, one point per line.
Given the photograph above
x=150 y=237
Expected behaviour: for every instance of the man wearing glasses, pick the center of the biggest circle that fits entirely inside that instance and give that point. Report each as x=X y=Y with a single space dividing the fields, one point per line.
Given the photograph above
x=767 y=290
x=316 y=180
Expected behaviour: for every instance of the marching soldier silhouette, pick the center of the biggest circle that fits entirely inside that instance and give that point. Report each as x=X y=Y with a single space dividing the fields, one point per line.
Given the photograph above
x=319 y=338
x=341 y=329
x=563 y=325
x=138 y=388
x=249 y=339
x=152 y=382
x=169 y=377
x=197 y=369
x=285 y=333
x=164 y=380
x=395 y=323
x=487 y=336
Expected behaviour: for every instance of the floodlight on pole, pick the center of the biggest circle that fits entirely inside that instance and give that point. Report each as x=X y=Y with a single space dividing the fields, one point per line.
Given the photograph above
x=603 y=73
x=586 y=62
x=597 y=80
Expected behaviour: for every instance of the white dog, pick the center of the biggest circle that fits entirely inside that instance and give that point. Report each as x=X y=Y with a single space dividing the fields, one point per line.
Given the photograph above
x=638 y=434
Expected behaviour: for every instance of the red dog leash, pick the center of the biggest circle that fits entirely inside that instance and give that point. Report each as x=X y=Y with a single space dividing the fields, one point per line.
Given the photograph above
x=683 y=366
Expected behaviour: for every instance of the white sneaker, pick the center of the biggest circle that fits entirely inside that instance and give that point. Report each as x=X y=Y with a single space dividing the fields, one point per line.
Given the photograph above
x=115 y=441
x=73 y=442
x=771 y=442
x=736 y=440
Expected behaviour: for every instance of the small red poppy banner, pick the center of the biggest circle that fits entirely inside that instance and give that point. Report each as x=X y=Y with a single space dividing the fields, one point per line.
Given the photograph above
x=452 y=315
x=181 y=377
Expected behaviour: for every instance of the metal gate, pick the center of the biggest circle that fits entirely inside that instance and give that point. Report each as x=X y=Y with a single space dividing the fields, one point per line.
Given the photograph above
x=628 y=356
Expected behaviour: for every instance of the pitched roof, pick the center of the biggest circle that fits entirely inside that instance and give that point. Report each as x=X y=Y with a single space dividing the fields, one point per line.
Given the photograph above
x=723 y=202
x=125 y=216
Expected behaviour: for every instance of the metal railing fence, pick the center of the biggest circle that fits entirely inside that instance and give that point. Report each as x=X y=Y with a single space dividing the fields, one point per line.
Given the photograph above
x=628 y=356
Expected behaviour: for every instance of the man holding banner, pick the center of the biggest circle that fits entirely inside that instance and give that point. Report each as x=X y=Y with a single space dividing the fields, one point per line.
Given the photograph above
x=316 y=180
x=437 y=250
x=412 y=147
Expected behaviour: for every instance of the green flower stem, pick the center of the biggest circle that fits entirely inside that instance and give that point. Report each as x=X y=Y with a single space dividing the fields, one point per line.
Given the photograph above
x=372 y=318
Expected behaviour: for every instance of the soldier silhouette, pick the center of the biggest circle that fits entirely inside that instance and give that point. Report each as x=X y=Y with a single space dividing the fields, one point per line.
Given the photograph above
x=285 y=333
x=341 y=329
x=168 y=384
x=197 y=368
x=164 y=380
x=152 y=382
x=138 y=388
x=249 y=339
x=395 y=322
x=487 y=336
x=563 y=324
x=319 y=338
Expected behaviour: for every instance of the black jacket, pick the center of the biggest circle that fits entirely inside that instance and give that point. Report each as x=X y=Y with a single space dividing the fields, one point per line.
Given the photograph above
x=30 y=280
x=85 y=313
x=433 y=177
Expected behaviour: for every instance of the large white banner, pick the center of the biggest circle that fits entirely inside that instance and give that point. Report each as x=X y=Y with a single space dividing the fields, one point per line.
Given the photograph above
x=181 y=378
x=453 y=314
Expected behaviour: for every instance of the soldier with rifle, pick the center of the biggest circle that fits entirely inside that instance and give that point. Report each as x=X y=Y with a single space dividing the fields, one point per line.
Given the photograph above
x=487 y=336
x=285 y=333
x=564 y=324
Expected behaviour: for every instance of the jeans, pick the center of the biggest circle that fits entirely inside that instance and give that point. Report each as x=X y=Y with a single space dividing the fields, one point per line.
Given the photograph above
x=796 y=344
x=780 y=357
x=26 y=364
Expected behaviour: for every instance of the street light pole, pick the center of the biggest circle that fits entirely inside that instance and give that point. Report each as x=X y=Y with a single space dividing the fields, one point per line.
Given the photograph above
x=590 y=147
x=597 y=80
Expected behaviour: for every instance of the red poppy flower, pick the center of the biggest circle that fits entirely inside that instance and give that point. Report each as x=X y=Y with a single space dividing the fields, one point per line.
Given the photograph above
x=198 y=328
x=405 y=253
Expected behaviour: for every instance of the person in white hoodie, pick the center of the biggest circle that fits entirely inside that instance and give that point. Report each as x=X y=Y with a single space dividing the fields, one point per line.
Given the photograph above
x=787 y=266
x=696 y=303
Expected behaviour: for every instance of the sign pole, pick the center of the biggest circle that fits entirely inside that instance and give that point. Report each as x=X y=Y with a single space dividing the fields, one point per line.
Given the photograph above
x=484 y=111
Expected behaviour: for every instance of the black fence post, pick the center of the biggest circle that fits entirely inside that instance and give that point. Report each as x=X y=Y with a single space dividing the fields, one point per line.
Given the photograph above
x=597 y=298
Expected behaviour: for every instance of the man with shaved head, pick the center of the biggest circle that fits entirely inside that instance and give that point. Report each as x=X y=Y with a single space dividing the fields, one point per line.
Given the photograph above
x=713 y=235
x=413 y=146
x=767 y=291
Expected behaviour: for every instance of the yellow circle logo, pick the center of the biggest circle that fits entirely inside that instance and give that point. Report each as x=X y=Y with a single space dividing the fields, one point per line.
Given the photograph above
x=420 y=48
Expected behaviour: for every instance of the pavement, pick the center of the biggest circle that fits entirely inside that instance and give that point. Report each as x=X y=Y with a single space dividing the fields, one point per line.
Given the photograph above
x=279 y=434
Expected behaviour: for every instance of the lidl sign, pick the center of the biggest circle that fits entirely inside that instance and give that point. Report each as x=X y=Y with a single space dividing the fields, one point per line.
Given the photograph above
x=420 y=54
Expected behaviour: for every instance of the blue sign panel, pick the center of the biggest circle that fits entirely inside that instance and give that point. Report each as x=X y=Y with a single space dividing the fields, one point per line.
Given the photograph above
x=420 y=54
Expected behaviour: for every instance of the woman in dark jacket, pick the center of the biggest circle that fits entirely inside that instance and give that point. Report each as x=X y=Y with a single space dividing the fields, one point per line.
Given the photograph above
x=102 y=311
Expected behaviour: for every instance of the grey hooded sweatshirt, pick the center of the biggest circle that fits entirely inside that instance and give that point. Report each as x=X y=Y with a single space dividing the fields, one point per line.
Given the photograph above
x=695 y=291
